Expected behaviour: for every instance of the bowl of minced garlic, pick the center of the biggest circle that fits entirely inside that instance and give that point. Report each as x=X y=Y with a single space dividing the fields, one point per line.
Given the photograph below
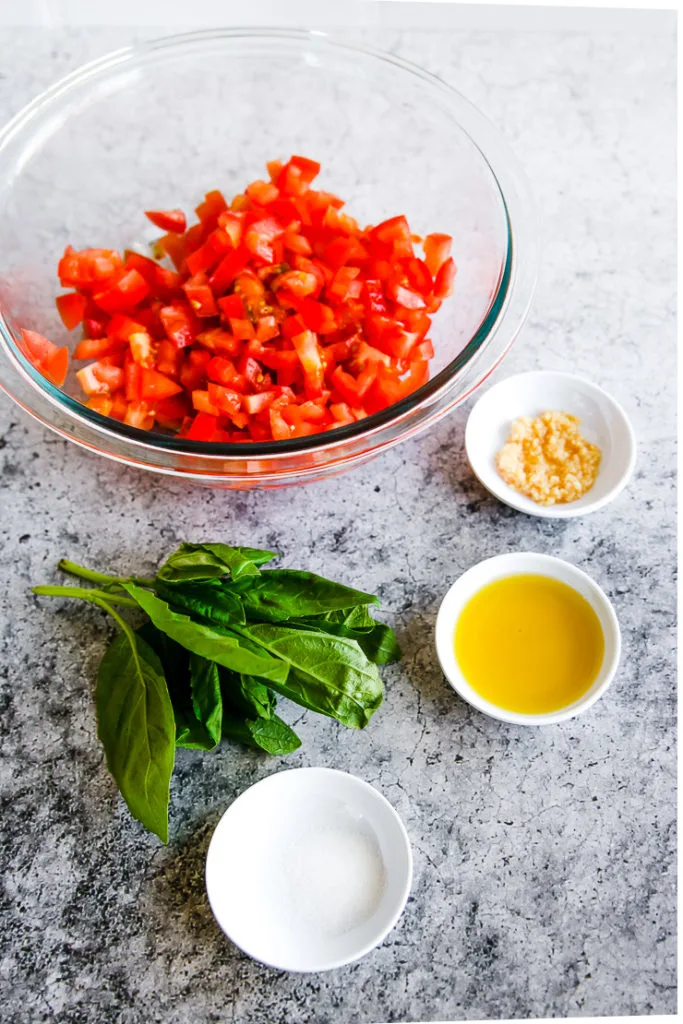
x=550 y=444
x=548 y=459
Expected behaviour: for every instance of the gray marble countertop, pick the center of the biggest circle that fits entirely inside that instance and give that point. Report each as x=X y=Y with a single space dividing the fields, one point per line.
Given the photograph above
x=544 y=859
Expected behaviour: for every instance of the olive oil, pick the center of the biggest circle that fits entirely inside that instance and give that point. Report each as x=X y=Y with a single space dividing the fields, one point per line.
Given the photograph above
x=529 y=643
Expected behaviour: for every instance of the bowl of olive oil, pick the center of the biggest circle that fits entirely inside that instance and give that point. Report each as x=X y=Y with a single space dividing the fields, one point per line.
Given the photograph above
x=528 y=639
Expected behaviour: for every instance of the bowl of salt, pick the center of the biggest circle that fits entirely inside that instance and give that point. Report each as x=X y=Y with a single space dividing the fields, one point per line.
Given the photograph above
x=308 y=870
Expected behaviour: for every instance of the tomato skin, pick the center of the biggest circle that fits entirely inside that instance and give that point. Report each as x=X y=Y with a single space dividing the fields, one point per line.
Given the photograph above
x=155 y=386
x=168 y=220
x=200 y=296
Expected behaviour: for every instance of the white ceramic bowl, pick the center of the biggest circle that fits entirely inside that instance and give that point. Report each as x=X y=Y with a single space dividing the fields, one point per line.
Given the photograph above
x=309 y=869
x=509 y=565
x=603 y=422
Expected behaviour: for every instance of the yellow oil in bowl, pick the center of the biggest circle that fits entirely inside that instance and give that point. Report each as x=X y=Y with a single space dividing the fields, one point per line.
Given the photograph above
x=529 y=643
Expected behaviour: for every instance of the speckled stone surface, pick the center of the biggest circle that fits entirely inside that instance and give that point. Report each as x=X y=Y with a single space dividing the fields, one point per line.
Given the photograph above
x=544 y=860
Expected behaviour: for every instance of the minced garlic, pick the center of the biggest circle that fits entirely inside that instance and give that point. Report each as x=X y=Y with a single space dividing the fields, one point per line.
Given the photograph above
x=548 y=459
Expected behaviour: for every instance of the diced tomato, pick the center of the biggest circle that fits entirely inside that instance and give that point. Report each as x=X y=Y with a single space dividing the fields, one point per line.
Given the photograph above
x=296 y=243
x=108 y=373
x=103 y=404
x=395 y=233
x=317 y=316
x=132 y=380
x=297 y=175
x=202 y=403
x=95 y=348
x=88 y=267
x=443 y=286
x=232 y=306
x=142 y=348
x=200 y=296
x=93 y=328
x=253 y=404
x=169 y=358
x=228 y=269
x=210 y=210
x=219 y=340
x=267 y=328
x=298 y=282
x=90 y=382
x=168 y=220
x=311 y=360
x=138 y=414
x=170 y=412
x=71 y=308
x=205 y=427
x=282 y=317
x=125 y=294
x=243 y=330
x=262 y=192
x=259 y=238
x=155 y=386
x=437 y=249
x=179 y=324
x=224 y=399
x=51 y=361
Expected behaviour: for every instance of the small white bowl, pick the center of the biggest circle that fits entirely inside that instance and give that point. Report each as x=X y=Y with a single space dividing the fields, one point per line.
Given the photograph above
x=510 y=565
x=603 y=422
x=309 y=869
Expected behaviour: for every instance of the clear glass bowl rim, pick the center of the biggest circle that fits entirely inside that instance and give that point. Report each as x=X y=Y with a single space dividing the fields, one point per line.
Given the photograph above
x=480 y=131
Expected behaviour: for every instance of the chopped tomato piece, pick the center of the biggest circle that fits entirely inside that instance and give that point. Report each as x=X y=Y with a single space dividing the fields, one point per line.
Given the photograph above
x=443 y=286
x=138 y=414
x=51 y=361
x=310 y=356
x=232 y=306
x=179 y=325
x=168 y=220
x=126 y=293
x=437 y=249
x=200 y=296
x=71 y=308
x=155 y=386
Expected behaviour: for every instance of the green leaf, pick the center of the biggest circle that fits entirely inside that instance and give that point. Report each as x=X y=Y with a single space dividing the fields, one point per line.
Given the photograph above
x=280 y=594
x=136 y=726
x=204 y=600
x=376 y=640
x=212 y=561
x=207 y=701
x=272 y=735
x=212 y=642
x=247 y=694
x=189 y=731
x=328 y=674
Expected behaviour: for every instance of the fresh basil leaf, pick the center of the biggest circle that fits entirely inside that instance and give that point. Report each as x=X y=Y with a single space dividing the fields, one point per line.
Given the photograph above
x=212 y=561
x=212 y=642
x=377 y=641
x=189 y=731
x=207 y=701
x=272 y=735
x=247 y=694
x=204 y=600
x=136 y=726
x=280 y=594
x=328 y=674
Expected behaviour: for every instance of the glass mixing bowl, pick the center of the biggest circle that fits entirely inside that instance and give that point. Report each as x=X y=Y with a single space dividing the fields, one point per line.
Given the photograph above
x=159 y=124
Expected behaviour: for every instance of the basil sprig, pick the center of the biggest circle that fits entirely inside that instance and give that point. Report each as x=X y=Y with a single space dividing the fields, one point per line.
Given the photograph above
x=223 y=638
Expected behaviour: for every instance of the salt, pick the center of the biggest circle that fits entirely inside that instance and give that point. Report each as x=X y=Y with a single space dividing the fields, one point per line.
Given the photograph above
x=332 y=878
